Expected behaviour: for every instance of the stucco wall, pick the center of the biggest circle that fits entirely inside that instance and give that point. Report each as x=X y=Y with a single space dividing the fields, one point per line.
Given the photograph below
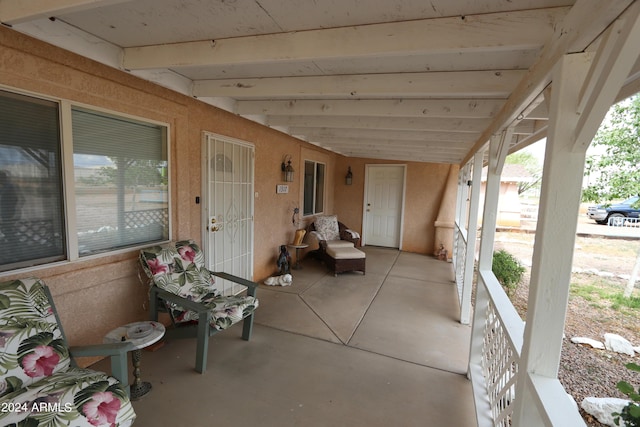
x=424 y=192
x=95 y=295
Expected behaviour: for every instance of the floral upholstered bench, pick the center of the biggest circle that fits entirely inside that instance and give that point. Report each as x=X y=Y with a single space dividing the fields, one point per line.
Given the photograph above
x=40 y=384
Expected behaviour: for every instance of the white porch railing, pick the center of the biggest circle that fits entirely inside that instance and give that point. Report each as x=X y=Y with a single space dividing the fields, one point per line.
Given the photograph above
x=495 y=358
x=501 y=346
x=459 y=257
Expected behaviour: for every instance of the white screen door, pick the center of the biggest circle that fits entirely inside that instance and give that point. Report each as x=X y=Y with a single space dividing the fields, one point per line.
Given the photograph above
x=228 y=208
x=383 y=205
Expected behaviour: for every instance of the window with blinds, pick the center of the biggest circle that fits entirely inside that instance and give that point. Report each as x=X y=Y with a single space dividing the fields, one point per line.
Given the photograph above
x=120 y=182
x=31 y=209
x=120 y=188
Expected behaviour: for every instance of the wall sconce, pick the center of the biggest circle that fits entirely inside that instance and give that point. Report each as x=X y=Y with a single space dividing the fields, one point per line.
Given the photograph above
x=349 y=178
x=287 y=169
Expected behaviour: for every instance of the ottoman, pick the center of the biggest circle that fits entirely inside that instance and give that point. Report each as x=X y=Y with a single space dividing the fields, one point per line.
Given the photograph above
x=345 y=258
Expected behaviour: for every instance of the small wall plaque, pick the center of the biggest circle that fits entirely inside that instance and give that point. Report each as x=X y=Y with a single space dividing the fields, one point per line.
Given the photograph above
x=282 y=189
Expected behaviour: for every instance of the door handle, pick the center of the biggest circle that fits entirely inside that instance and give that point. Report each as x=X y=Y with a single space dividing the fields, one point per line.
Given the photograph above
x=213 y=225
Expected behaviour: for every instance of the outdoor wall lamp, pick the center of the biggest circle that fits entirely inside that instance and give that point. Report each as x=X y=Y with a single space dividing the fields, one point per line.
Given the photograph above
x=287 y=169
x=349 y=178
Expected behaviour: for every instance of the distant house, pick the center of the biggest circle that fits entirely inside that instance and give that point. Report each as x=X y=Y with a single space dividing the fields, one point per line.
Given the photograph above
x=509 y=206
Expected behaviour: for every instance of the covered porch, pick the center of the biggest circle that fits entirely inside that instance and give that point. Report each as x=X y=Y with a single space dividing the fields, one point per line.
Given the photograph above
x=385 y=348
x=480 y=83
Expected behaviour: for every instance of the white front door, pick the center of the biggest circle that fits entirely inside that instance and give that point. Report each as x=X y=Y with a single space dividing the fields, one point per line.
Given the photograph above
x=384 y=199
x=228 y=208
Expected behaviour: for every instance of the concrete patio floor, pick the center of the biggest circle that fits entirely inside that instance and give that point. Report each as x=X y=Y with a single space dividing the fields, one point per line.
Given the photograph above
x=381 y=349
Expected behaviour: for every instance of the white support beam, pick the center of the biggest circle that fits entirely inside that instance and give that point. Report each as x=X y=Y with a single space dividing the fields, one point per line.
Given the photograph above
x=444 y=108
x=498 y=149
x=555 y=239
x=497 y=154
x=612 y=64
x=325 y=133
x=423 y=155
x=397 y=123
x=14 y=12
x=73 y=39
x=369 y=145
x=528 y=29
x=472 y=235
x=496 y=161
x=456 y=84
x=586 y=20
x=632 y=83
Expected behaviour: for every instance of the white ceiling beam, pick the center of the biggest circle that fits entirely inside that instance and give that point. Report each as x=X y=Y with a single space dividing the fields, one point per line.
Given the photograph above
x=527 y=29
x=399 y=135
x=73 y=39
x=468 y=108
x=521 y=141
x=398 y=123
x=345 y=144
x=586 y=20
x=456 y=84
x=18 y=11
x=403 y=156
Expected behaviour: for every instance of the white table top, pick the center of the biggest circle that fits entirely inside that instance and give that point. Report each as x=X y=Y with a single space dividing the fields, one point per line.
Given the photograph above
x=117 y=335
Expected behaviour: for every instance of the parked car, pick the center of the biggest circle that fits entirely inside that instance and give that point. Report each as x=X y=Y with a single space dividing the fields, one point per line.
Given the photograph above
x=629 y=208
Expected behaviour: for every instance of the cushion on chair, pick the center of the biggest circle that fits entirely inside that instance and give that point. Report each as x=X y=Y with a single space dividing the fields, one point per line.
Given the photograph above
x=327 y=226
x=82 y=397
x=31 y=344
x=38 y=386
x=179 y=268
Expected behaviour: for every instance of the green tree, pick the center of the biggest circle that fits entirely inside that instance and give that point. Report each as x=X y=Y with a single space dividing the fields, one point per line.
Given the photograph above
x=615 y=172
x=136 y=172
x=531 y=163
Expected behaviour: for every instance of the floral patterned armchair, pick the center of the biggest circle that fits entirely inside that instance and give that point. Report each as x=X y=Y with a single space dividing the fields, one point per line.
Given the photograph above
x=181 y=285
x=40 y=384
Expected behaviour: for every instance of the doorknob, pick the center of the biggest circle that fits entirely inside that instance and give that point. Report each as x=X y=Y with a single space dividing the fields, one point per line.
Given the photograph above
x=213 y=225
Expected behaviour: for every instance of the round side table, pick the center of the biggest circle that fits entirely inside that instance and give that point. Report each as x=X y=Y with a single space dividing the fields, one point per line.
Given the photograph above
x=297 y=265
x=141 y=335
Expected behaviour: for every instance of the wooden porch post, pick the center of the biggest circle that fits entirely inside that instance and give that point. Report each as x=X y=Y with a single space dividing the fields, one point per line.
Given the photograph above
x=554 y=242
x=498 y=149
x=472 y=235
x=584 y=87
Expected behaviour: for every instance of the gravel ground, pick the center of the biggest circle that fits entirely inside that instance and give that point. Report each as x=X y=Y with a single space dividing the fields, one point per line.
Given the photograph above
x=585 y=371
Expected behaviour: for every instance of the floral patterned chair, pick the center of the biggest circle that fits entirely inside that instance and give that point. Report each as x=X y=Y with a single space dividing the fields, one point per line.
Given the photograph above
x=181 y=285
x=40 y=383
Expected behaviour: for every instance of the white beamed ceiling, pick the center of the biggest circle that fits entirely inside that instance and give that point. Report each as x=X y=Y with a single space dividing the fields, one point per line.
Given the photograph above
x=404 y=80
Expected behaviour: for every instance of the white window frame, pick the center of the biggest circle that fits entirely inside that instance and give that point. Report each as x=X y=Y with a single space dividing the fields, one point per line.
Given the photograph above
x=68 y=179
x=315 y=184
